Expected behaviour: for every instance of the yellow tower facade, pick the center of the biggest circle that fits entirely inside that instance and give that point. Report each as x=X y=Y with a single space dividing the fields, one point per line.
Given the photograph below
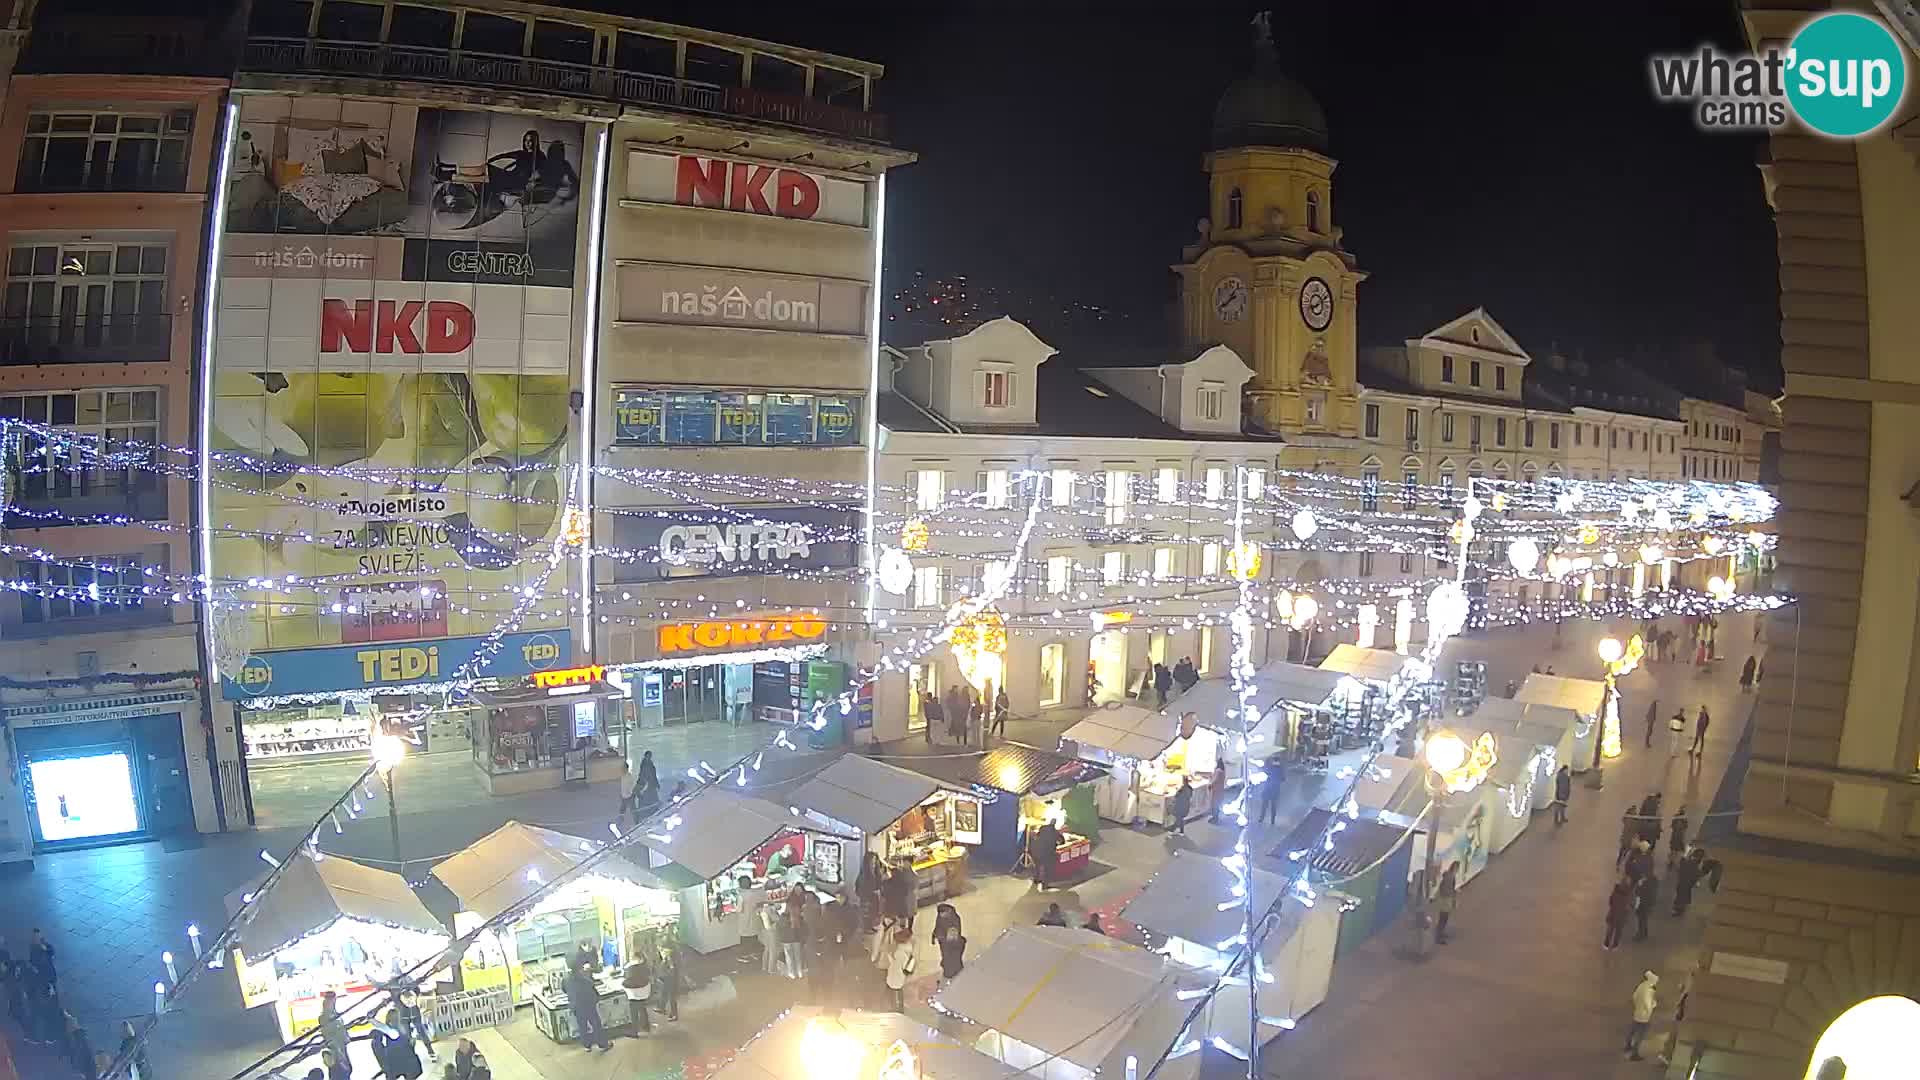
x=1267 y=275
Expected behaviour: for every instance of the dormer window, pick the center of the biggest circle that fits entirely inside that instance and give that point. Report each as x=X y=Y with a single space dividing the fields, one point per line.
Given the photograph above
x=1473 y=334
x=996 y=389
x=1313 y=211
x=1446 y=369
x=1236 y=209
x=1499 y=377
x=1211 y=402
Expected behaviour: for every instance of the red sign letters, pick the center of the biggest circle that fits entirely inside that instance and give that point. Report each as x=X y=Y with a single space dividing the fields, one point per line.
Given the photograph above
x=392 y=326
x=737 y=185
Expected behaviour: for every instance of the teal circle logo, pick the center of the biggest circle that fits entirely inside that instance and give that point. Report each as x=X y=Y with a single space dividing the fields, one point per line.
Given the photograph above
x=1846 y=74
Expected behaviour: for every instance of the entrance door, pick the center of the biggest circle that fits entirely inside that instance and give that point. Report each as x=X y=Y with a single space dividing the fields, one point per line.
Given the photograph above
x=82 y=794
x=162 y=762
x=1108 y=666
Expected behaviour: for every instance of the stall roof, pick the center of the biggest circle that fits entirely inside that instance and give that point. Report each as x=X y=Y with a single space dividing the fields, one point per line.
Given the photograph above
x=1183 y=900
x=1013 y=768
x=1126 y=730
x=1524 y=717
x=1273 y=684
x=1382 y=783
x=866 y=794
x=1376 y=665
x=312 y=895
x=1299 y=683
x=489 y=876
x=775 y=1053
x=719 y=828
x=1583 y=696
x=1364 y=842
x=1075 y=994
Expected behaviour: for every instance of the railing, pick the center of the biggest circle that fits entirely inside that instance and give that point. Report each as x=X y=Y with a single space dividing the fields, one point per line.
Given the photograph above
x=52 y=339
x=301 y=55
x=87 y=176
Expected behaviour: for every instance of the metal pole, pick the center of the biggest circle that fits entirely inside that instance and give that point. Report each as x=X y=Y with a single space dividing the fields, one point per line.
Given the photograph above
x=393 y=822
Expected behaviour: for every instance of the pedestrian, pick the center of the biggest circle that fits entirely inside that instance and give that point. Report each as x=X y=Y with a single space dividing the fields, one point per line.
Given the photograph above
x=1045 y=849
x=793 y=941
x=1746 y=673
x=1645 y=1001
x=770 y=933
x=1445 y=896
x=956 y=707
x=976 y=719
x=1276 y=768
x=637 y=984
x=951 y=941
x=1093 y=924
x=900 y=894
x=1646 y=893
x=463 y=1054
x=1619 y=905
x=1162 y=683
x=1677 y=837
x=933 y=712
x=1629 y=832
x=900 y=967
x=1653 y=720
x=628 y=778
x=338 y=1068
x=40 y=958
x=1182 y=800
x=480 y=1069
x=583 y=999
x=1216 y=791
x=78 y=1047
x=945 y=917
x=413 y=1022
x=1001 y=707
x=49 y=1026
x=867 y=886
x=1640 y=860
x=1700 y=723
x=646 y=787
x=1053 y=916
x=393 y=1050
x=136 y=1053
x=666 y=981
x=333 y=1030
x=1562 y=794
x=1685 y=876
x=1676 y=732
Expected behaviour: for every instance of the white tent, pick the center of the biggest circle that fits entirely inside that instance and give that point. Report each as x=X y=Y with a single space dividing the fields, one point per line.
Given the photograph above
x=313 y=894
x=1125 y=731
x=862 y=794
x=852 y=1045
x=718 y=828
x=1373 y=665
x=1063 y=1003
x=1386 y=786
x=1183 y=900
x=1541 y=734
x=1586 y=697
x=509 y=864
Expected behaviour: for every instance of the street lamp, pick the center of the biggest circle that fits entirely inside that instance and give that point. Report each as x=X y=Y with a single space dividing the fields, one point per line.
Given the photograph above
x=1443 y=753
x=1618 y=660
x=388 y=751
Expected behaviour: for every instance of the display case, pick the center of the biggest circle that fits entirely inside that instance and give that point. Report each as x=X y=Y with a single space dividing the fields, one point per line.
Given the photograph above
x=552 y=1017
x=317 y=731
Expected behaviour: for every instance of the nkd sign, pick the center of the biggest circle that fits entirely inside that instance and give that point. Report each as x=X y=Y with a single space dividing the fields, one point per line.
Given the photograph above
x=699 y=296
x=395 y=326
x=744 y=187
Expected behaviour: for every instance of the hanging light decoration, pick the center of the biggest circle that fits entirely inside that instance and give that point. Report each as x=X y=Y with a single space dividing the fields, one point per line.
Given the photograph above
x=895 y=571
x=1523 y=555
x=1304 y=525
x=914 y=535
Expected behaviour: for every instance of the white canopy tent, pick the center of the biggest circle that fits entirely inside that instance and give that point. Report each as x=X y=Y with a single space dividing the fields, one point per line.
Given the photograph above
x=1126 y=731
x=1540 y=734
x=811 y=1043
x=1373 y=665
x=1061 y=1003
x=859 y=794
x=1585 y=697
x=718 y=828
x=504 y=867
x=1182 y=901
x=313 y=894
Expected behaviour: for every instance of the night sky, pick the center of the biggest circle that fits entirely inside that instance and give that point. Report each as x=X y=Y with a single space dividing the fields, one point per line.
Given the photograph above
x=1505 y=154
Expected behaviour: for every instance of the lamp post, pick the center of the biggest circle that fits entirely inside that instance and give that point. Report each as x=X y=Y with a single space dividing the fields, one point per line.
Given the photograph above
x=388 y=751
x=1443 y=753
x=1618 y=660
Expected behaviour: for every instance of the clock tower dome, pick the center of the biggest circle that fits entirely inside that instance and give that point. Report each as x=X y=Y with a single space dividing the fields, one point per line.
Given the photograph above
x=1267 y=274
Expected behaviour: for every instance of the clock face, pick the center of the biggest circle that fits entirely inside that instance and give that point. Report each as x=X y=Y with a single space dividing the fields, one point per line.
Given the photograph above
x=1316 y=303
x=1230 y=299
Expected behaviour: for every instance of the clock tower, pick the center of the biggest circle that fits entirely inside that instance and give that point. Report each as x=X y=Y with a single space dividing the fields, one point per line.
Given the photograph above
x=1267 y=274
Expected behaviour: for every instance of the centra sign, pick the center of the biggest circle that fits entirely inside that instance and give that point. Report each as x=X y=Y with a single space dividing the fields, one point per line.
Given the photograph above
x=739 y=633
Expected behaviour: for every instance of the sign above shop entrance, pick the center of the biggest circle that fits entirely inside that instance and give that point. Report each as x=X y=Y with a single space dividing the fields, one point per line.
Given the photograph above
x=704 y=296
x=740 y=633
x=573 y=676
x=380 y=665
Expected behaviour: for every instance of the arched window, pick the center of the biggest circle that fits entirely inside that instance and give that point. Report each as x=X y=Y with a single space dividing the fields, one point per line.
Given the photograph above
x=1313 y=211
x=1236 y=209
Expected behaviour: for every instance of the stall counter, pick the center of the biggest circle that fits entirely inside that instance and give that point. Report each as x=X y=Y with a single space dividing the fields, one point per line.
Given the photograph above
x=939 y=876
x=554 y=1019
x=1157 y=805
x=1072 y=857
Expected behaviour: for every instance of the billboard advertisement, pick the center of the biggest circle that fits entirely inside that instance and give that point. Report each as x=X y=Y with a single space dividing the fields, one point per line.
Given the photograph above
x=393 y=346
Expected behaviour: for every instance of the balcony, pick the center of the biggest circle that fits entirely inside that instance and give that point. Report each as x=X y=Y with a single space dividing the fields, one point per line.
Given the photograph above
x=53 y=339
x=304 y=56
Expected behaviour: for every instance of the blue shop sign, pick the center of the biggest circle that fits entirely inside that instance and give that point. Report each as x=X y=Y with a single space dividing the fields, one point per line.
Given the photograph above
x=378 y=664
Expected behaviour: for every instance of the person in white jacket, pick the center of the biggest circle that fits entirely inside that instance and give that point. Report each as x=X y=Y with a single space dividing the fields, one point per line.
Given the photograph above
x=899 y=967
x=1645 y=1001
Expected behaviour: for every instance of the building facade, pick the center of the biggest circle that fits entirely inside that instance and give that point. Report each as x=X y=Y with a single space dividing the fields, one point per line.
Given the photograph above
x=1820 y=906
x=106 y=137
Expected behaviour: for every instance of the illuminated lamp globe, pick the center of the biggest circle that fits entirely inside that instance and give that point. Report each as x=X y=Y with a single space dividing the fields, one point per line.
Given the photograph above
x=895 y=571
x=1445 y=752
x=1651 y=554
x=1471 y=507
x=1304 y=609
x=1523 y=555
x=1713 y=544
x=388 y=751
x=1611 y=558
x=1611 y=650
x=1304 y=526
x=1447 y=608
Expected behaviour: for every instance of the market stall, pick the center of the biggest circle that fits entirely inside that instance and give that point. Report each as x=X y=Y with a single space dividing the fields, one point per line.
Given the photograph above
x=1360 y=718
x=1019 y=787
x=1148 y=755
x=1583 y=697
x=1366 y=861
x=612 y=912
x=329 y=924
x=1465 y=822
x=1541 y=735
x=740 y=853
x=901 y=816
x=810 y=1043
x=1061 y=1003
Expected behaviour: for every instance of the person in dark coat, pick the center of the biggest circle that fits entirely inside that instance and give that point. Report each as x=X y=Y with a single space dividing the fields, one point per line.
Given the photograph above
x=40 y=957
x=637 y=983
x=945 y=917
x=1677 y=837
x=338 y=1068
x=480 y=1069
x=583 y=999
x=1217 y=787
x=1746 y=673
x=1700 y=723
x=1646 y=894
x=1562 y=793
x=950 y=940
x=1619 y=906
x=934 y=712
x=393 y=1049
x=1162 y=683
x=1653 y=720
x=873 y=877
x=1629 y=832
x=1640 y=862
x=1093 y=924
x=900 y=895
x=666 y=981
x=1002 y=706
x=1276 y=768
x=78 y=1047
x=463 y=1054
x=1045 y=849
x=1445 y=897
x=1686 y=875
x=1182 y=802
x=1053 y=916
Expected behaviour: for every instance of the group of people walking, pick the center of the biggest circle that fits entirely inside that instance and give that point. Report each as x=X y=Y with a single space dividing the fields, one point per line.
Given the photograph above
x=1162 y=679
x=965 y=714
x=30 y=987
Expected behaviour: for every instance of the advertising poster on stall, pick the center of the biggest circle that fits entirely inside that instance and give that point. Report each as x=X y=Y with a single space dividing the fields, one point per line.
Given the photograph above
x=393 y=348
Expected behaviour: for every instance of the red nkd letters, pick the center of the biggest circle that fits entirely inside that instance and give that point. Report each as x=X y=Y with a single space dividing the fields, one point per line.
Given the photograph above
x=736 y=185
x=393 y=326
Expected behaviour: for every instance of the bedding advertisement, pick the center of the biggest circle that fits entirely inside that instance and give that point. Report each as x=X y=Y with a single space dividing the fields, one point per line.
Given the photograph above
x=393 y=351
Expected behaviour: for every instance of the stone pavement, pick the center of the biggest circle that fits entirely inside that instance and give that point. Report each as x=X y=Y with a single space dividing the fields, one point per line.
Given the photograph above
x=1524 y=987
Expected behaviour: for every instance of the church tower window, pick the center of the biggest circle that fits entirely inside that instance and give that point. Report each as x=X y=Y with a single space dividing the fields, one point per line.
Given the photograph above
x=1236 y=209
x=1313 y=211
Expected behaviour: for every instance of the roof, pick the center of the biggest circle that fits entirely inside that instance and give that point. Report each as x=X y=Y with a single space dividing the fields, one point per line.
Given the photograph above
x=776 y=1053
x=1543 y=723
x=1379 y=379
x=1126 y=730
x=1357 y=847
x=1278 y=682
x=718 y=828
x=896 y=413
x=1384 y=782
x=312 y=894
x=1583 y=696
x=1012 y=768
x=1377 y=665
x=1266 y=108
x=489 y=876
x=1183 y=900
x=1103 y=999
x=866 y=794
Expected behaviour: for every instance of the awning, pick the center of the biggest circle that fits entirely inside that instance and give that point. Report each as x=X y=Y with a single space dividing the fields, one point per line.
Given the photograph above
x=1077 y=995
x=312 y=895
x=1543 y=725
x=1583 y=696
x=1355 y=849
x=506 y=697
x=490 y=875
x=866 y=794
x=1012 y=768
x=1127 y=731
x=719 y=828
x=776 y=1053
x=1183 y=900
x=1374 y=665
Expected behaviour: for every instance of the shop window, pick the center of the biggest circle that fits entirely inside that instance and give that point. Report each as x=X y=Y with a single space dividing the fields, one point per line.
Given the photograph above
x=1053 y=674
x=922 y=679
x=106 y=150
x=1406 y=562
